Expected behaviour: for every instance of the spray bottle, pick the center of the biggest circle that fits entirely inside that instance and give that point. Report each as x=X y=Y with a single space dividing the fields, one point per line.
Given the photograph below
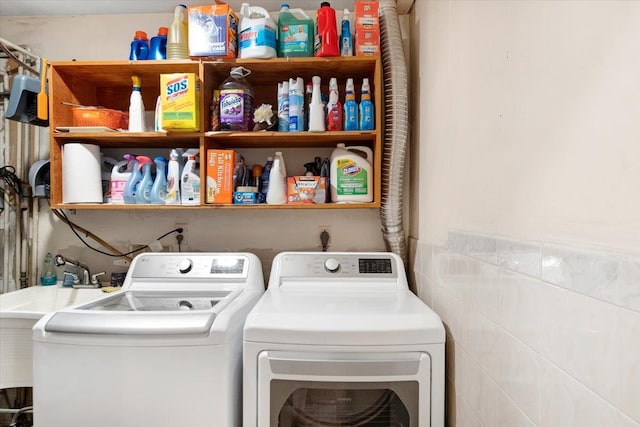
x=366 y=107
x=334 y=107
x=190 y=194
x=136 y=107
x=346 y=40
x=173 y=179
x=159 y=188
x=296 y=105
x=283 y=106
x=350 y=107
x=316 y=108
x=143 y=189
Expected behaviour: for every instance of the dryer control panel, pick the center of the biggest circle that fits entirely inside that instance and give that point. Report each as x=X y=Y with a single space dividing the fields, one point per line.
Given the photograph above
x=342 y=265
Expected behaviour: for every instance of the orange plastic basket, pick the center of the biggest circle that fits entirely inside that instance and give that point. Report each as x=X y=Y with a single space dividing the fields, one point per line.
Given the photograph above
x=90 y=116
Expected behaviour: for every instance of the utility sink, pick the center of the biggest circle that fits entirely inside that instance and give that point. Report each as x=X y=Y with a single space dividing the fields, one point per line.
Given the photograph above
x=19 y=311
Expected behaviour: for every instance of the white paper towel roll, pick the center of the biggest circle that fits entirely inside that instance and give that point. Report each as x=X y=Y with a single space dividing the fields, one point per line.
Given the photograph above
x=81 y=173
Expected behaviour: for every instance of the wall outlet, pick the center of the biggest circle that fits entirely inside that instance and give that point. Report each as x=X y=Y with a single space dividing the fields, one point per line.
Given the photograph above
x=183 y=243
x=325 y=239
x=121 y=262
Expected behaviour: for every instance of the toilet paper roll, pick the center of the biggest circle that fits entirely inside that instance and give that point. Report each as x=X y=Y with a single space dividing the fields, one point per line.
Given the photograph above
x=81 y=173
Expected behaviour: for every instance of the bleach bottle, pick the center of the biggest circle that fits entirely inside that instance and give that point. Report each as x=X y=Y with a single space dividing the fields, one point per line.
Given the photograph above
x=257 y=38
x=159 y=188
x=351 y=175
x=295 y=33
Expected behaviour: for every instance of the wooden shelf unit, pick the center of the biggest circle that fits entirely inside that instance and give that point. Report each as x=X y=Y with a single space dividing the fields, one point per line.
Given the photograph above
x=108 y=84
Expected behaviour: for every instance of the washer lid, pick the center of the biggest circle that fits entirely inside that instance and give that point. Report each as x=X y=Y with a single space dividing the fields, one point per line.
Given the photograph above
x=313 y=317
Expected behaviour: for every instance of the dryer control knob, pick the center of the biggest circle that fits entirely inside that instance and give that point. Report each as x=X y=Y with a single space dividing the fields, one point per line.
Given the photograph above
x=185 y=266
x=332 y=265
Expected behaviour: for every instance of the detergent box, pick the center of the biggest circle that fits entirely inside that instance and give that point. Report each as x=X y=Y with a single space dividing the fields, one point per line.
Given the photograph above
x=366 y=15
x=367 y=42
x=213 y=31
x=306 y=189
x=180 y=102
x=219 y=186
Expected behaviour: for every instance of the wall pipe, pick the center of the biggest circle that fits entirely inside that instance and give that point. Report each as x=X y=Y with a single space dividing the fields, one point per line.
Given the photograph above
x=396 y=125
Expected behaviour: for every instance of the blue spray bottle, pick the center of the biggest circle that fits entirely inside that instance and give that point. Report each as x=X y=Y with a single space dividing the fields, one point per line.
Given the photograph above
x=129 y=193
x=350 y=107
x=366 y=107
x=159 y=188
x=143 y=192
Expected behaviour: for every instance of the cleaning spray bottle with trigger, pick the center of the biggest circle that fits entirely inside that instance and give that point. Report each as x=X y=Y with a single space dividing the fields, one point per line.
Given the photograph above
x=159 y=188
x=143 y=191
x=173 y=179
x=366 y=107
x=190 y=180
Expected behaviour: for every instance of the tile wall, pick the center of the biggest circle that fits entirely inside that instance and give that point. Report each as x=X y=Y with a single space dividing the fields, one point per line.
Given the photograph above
x=537 y=334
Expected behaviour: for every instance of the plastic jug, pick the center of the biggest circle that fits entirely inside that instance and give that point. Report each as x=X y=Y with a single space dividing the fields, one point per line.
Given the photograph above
x=158 y=45
x=236 y=101
x=178 y=34
x=277 y=191
x=159 y=188
x=295 y=33
x=257 y=38
x=139 y=46
x=326 y=40
x=351 y=174
x=120 y=174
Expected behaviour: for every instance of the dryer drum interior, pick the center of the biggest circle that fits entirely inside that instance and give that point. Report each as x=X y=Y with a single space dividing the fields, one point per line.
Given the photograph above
x=375 y=404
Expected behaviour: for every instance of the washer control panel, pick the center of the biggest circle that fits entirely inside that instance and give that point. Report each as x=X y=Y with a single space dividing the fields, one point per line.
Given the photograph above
x=192 y=266
x=338 y=265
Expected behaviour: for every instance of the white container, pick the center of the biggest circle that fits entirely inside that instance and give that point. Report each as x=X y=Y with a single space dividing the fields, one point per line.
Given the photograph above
x=173 y=179
x=178 y=34
x=190 y=191
x=257 y=35
x=277 y=192
x=351 y=174
x=120 y=174
x=136 y=107
x=316 y=108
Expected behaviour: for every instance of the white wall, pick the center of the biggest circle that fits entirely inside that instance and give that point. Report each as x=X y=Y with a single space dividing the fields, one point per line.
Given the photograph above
x=526 y=128
x=262 y=232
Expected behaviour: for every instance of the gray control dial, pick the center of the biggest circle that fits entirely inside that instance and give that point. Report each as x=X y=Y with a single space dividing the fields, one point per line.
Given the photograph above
x=332 y=265
x=185 y=266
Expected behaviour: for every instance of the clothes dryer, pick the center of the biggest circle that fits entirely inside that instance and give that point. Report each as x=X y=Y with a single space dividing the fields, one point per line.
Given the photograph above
x=339 y=339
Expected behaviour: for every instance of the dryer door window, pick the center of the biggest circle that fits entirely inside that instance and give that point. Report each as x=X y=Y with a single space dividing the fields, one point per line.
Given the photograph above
x=344 y=404
x=297 y=389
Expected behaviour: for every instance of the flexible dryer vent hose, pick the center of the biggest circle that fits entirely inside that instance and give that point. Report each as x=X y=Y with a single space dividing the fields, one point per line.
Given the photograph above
x=396 y=124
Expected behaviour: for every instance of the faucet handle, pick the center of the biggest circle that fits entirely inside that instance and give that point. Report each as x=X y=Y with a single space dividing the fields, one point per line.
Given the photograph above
x=74 y=276
x=94 y=278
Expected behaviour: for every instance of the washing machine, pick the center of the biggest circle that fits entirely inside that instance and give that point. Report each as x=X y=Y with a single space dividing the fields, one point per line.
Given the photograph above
x=338 y=339
x=165 y=350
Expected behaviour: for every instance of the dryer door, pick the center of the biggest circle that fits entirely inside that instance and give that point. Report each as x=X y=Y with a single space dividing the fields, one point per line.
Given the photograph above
x=343 y=389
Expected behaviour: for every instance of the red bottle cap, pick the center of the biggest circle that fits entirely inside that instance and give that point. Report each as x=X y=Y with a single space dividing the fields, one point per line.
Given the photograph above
x=163 y=31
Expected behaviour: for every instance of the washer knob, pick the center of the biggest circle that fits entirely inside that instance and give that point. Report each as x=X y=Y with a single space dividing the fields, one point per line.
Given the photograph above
x=185 y=265
x=332 y=265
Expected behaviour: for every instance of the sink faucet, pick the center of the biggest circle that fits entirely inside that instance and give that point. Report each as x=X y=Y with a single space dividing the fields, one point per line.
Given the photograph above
x=88 y=280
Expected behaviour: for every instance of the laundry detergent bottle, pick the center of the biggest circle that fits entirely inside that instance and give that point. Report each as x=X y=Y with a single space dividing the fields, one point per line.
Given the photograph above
x=130 y=188
x=257 y=38
x=143 y=191
x=120 y=174
x=351 y=174
x=159 y=188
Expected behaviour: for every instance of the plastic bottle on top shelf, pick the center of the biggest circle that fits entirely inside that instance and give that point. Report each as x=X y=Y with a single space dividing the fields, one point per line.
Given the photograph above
x=139 y=46
x=326 y=39
x=178 y=34
x=158 y=45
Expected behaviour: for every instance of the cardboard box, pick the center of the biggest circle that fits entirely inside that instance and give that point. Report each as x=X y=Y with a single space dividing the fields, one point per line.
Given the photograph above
x=306 y=189
x=219 y=185
x=366 y=15
x=367 y=42
x=245 y=198
x=180 y=102
x=213 y=31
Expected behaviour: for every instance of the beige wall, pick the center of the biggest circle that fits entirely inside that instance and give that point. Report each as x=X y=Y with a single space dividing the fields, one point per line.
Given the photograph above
x=262 y=232
x=526 y=136
x=526 y=113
